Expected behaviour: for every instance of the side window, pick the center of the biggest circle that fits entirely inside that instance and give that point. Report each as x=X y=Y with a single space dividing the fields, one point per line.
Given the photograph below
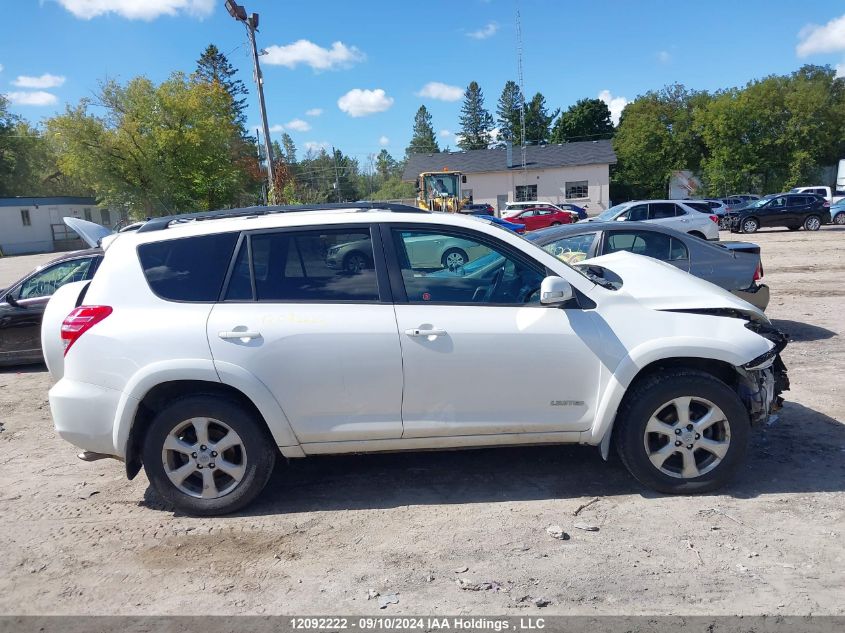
x=44 y=283
x=442 y=268
x=638 y=213
x=648 y=243
x=661 y=210
x=778 y=203
x=571 y=249
x=678 y=250
x=333 y=265
x=188 y=268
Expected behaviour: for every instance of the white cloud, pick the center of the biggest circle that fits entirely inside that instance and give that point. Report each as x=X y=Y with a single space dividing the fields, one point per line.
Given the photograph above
x=616 y=105
x=822 y=39
x=441 y=91
x=275 y=129
x=314 y=112
x=298 y=125
x=488 y=30
x=138 y=9
x=444 y=133
x=1 y=68
x=36 y=98
x=316 y=146
x=304 y=52
x=383 y=141
x=840 y=70
x=358 y=103
x=44 y=81
x=664 y=57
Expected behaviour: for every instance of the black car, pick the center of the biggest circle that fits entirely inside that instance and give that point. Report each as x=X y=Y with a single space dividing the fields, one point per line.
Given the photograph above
x=792 y=210
x=22 y=304
x=478 y=209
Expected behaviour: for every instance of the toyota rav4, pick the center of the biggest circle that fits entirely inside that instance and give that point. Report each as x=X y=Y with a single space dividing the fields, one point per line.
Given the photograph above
x=208 y=345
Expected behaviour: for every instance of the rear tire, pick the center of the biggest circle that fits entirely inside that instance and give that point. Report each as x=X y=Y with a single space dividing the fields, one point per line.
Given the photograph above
x=812 y=223
x=700 y=236
x=454 y=257
x=653 y=439
x=839 y=218
x=212 y=482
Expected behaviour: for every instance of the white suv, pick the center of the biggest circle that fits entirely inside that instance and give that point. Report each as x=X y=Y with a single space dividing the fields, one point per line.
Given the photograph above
x=670 y=213
x=204 y=349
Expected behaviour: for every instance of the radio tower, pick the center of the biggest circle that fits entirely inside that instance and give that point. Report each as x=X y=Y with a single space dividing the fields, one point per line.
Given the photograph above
x=521 y=80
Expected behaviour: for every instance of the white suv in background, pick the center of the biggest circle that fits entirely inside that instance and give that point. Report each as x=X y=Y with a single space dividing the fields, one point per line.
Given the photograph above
x=208 y=345
x=670 y=213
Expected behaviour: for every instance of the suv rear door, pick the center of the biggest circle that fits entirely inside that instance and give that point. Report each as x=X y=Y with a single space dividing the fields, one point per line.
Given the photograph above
x=308 y=312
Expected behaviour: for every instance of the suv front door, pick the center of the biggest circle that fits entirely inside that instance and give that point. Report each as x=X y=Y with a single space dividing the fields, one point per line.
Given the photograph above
x=481 y=355
x=308 y=313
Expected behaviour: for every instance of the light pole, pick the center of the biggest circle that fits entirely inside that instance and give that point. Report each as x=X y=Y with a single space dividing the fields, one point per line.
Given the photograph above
x=251 y=23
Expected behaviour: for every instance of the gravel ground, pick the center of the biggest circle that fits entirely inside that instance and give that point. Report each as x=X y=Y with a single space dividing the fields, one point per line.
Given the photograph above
x=80 y=539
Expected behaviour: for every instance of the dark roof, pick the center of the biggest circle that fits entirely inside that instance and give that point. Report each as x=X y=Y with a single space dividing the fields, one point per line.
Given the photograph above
x=49 y=201
x=536 y=157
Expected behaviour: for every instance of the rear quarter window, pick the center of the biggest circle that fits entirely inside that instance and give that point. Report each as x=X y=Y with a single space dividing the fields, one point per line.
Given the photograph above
x=188 y=268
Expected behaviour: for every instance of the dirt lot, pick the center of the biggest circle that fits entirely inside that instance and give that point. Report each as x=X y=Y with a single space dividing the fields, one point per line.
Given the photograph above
x=79 y=538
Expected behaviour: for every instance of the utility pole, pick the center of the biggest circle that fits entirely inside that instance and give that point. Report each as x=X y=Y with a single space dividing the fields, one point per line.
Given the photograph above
x=251 y=23
x=336 y=174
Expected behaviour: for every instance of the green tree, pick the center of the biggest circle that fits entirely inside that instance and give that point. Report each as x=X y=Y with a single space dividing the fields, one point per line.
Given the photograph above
x=476 y=122
x=386 y=165
x=159 y=148
x=394 y=189
x=538 y=121
x=290 y=149
x=214 y=67
x=507 y=115
x=587 y=120
x=423 y=140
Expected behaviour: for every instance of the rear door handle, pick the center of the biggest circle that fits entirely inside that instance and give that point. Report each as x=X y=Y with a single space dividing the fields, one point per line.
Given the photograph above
x=426 y=333
x=243 y=335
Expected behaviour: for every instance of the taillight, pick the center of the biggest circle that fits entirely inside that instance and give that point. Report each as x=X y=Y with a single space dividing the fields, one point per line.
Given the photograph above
x=758 y=274
x=80 y=321
x=715 y=218
x=826 y=204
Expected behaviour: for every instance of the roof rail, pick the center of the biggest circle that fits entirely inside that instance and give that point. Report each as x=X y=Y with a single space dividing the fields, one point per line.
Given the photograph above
x=159 y=224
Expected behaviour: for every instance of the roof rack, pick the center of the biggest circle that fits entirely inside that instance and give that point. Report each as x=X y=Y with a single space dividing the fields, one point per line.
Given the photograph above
x=164 y=222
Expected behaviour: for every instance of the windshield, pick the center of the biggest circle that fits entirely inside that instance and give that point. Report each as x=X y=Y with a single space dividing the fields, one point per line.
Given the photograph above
x=759 y=203
x=441 y=185
x=612 y=212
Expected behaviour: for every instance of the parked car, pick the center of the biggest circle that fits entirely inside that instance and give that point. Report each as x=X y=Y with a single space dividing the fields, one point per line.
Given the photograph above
x=820 y=190
x=581 y=212
x=478 y=209
x=791 y=210
x=837 y=212
x=201 y=350
x=510 y=226
x=540 y=217
x=514 y=208
x=670 y=213
x=22 y=304
x=734 y=266
x=746 y=197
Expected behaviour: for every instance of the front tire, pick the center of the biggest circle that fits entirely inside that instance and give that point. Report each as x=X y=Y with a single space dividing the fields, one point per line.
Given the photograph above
x=812 y=223
x=839 y=218
x=208 y=455
x=454 y=258
x=682 y=433
x=750 y=225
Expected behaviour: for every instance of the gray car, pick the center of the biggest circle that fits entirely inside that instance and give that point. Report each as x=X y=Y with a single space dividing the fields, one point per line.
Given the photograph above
x=734 y=266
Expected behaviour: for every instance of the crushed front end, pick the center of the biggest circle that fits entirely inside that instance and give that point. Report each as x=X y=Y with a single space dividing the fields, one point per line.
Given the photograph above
x=764 y=379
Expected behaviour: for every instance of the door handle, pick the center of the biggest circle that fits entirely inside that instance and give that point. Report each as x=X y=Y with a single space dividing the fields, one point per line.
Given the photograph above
x=243 y=335
x=426 y=333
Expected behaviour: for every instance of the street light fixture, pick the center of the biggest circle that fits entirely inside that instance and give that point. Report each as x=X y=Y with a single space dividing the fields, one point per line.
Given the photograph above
x=238 y=12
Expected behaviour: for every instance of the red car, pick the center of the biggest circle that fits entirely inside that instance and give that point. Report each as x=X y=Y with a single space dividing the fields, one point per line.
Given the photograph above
x=541 y=217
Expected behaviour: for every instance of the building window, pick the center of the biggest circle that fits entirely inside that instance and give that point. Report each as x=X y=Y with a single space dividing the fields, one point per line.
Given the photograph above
x=524 y=193
x=104 y=213
x=25 y=217
x=87 y=213
x=577 y=189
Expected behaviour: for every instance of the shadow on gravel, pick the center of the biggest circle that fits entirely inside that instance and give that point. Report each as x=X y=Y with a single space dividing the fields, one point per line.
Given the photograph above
x=802 y=453
x=803 y=332
x=39 y=368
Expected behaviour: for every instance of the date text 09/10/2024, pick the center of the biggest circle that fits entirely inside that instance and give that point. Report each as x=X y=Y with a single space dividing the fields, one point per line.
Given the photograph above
x=408 y=623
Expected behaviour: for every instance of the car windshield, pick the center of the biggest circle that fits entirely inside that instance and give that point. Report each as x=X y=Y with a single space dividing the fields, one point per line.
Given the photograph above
x=612 y=212
x=758 y=203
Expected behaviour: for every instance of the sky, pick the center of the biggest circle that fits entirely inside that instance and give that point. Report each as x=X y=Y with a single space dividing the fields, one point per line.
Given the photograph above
x=353 y=74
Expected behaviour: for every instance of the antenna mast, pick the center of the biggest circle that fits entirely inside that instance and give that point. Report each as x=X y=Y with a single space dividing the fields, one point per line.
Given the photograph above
x=521 y=80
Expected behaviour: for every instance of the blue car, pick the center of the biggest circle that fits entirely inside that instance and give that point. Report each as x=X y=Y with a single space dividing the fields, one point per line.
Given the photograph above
x=511 y=226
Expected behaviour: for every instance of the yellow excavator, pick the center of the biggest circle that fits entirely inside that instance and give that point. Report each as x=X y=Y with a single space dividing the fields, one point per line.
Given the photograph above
x=440 y=191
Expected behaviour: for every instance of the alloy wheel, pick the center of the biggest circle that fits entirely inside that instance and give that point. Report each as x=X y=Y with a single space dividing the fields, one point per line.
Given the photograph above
x=454 y=260
x=840 y=218
x=813 y=224
x=749 y=226
x=204 y=458
x=687 y=437
x=355 y=263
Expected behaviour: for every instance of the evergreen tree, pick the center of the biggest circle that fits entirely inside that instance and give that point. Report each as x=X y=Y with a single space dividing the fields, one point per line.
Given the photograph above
x=476 y=122
x=587 y=120
x=538 y=121
x=289 y=153
x=386 y=165
x=507 y=115
x=214 y=67
x=423 y=140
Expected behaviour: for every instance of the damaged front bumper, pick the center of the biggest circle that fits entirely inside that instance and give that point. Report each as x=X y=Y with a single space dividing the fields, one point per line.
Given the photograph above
x=764 y=379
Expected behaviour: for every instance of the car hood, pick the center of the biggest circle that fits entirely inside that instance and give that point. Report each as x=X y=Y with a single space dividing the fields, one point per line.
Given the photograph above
x=90 y=232
x=661 y=286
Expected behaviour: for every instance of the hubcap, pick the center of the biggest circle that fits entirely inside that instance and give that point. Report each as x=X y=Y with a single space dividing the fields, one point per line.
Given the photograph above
x=454 y=259
x=687 y=437
x=750 y=226
x=204 y=458
x=840 y=218
x=355 y=264
x=813 y=224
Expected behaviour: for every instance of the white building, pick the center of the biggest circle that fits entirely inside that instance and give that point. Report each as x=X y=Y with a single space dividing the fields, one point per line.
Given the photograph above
x=34 y=225
x=570 y=172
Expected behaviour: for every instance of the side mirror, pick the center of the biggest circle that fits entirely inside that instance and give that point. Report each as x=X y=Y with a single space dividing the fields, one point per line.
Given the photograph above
x=555 y=291
x=621 y=218
x=10 y=299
